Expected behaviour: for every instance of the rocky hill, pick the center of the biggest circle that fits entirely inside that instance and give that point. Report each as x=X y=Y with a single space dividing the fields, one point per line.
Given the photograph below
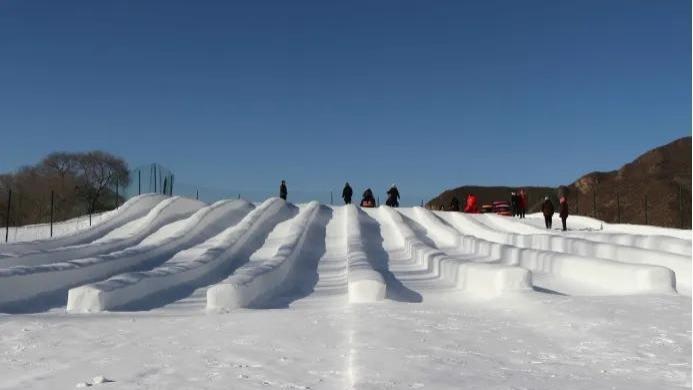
x=654 y=189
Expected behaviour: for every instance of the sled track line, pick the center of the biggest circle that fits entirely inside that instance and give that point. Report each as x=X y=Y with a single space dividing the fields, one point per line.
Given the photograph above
x=131 y=210
x=262 y=277
x=165 y=212
x=192 y=268
x=19 y=284
x=655 y=243
x=595 y=274
x=679 y=264
x=232 y=255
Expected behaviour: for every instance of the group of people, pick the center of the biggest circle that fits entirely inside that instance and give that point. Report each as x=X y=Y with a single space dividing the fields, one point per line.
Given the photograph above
x=518 y=203
x=367 y=200
x=547 y=209
x=470 y=207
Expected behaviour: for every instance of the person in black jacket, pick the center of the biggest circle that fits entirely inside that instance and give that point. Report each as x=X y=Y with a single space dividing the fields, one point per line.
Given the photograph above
x=515 y=203
x=347 y=192
x=368 y=199
x=392 y=196
x=547 y=209
x=563 y=210
x=455 y=204
x=282 y=190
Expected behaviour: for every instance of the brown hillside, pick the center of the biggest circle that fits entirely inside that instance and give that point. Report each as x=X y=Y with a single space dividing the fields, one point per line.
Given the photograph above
x=660 y=178
x=486 y=195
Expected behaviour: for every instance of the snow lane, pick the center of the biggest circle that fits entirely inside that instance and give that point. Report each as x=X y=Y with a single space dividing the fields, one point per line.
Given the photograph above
x=680 y=264
x=134 y=208
x=21 y=284
x=331 y=268
x=487 y=279
x=165 y=212
x=202 y=264
x=594 y=274
x=268 y=268
x=364 y=283
x=286 y=253
x=589 y=224
x=649 y=242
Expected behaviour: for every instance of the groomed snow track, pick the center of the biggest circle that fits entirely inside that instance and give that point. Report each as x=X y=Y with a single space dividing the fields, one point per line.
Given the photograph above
x=159 y=252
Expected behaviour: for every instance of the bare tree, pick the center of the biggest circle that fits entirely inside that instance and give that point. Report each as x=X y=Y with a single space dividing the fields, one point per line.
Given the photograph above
x=79 y=181
x=97 y=171
x=61 y=163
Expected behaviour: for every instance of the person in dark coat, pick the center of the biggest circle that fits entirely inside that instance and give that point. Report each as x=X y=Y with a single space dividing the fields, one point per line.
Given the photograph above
x=455 y=204
x=282 y=190
x=563 y=210
x=522 y=203
x=368 y=200
x=547 y=209
x=514 y=204
x=347 y=192
x=392 y=196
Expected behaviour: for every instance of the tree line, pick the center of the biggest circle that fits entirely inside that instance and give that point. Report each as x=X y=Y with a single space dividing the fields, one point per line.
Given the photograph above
x=78 y=183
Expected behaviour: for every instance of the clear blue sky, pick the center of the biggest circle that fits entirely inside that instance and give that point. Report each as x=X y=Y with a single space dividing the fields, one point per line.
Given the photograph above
x=430 y=95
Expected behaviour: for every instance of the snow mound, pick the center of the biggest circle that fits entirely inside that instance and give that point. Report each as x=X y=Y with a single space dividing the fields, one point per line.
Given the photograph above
x=77 y=231
x=363 y=282
x=242 y=256
x=260 y=276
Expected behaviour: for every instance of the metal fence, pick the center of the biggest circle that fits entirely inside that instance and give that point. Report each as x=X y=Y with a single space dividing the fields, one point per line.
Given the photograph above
x=668 y=208
x=46 y=205
x=151 y=178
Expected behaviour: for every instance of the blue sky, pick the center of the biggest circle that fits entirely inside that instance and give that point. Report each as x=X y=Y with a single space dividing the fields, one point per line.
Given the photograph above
x=430 y=95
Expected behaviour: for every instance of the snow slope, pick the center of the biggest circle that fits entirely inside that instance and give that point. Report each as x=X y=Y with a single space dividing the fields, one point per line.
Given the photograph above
x=316 y=296
x=77 y=231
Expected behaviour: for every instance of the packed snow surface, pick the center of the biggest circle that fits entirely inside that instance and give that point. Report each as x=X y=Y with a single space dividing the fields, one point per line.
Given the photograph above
x=170 y=293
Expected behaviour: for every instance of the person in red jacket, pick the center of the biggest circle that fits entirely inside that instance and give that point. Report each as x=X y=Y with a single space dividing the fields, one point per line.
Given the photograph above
x=522 y=203
x=471 y=206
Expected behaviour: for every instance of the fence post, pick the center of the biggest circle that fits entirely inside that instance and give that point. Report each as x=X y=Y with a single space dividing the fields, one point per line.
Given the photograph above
x=378 y=202
x=646 y=220
x=618 y=206
x=197 y=194
x=170 y=188
x=139 y=182
x=594 y=203
x=7 y=218
x=51 y=213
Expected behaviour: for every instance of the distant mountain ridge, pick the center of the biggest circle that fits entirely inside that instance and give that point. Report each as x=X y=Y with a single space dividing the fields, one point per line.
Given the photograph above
x=653 y=189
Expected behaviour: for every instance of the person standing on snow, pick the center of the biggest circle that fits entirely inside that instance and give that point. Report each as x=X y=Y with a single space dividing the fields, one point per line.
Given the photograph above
x=471 y=206
x=547 y=209
x=455 y=204
x=392 y=196
x=368 y=199
x=522 y=202
x=347 y=192
x=514 y=204
x=282 y=190
x=563 y=210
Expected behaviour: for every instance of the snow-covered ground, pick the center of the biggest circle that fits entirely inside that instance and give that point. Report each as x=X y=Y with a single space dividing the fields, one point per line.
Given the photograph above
x=170 y=293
